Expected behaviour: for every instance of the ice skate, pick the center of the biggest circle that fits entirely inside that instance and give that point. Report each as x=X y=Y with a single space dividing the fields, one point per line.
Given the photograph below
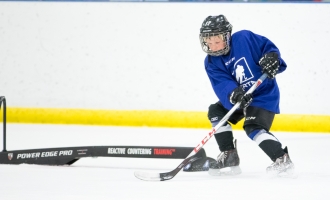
x=227 y=163
x=282 y=166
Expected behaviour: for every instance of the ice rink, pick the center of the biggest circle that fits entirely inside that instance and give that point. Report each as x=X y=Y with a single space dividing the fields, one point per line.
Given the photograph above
x=113 y=178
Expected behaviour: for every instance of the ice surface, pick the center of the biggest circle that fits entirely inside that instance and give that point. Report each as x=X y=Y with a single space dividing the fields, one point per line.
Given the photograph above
x=113 y=178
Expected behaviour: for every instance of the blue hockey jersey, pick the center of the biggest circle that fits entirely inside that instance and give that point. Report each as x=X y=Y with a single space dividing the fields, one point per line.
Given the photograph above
x=240 y=67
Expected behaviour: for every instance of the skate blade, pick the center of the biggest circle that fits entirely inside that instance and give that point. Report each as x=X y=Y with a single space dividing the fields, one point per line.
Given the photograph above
x=228 y=171
x=289 y=173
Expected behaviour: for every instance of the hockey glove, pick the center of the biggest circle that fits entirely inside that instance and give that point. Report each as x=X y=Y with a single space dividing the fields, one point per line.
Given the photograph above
x=270 y=64
x=237 y=95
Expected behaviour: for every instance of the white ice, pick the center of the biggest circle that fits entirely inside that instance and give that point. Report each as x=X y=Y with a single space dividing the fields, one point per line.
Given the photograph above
x=113 y=178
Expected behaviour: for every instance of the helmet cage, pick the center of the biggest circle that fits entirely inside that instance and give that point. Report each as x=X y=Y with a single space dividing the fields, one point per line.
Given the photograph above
x=225 y=37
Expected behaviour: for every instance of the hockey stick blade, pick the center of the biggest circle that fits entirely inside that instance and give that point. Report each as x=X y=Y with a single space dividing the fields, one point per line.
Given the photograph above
x=152 y=176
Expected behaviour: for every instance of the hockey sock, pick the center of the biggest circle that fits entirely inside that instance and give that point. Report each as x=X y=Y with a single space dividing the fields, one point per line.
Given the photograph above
x=268 y=143
x=224 y=138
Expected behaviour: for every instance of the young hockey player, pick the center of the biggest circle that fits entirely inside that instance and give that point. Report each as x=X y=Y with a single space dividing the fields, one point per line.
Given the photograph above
x=233 y=63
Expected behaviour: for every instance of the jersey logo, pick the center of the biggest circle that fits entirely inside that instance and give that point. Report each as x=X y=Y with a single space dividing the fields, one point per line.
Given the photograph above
x=242 y=71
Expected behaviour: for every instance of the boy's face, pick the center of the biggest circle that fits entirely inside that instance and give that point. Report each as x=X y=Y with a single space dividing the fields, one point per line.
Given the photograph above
x=215 y=43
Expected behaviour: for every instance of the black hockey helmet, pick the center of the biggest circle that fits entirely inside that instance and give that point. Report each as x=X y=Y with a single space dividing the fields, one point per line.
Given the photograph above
x=215 y=26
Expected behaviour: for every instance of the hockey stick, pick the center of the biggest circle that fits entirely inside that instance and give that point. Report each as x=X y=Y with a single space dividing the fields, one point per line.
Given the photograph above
x=151 y=176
